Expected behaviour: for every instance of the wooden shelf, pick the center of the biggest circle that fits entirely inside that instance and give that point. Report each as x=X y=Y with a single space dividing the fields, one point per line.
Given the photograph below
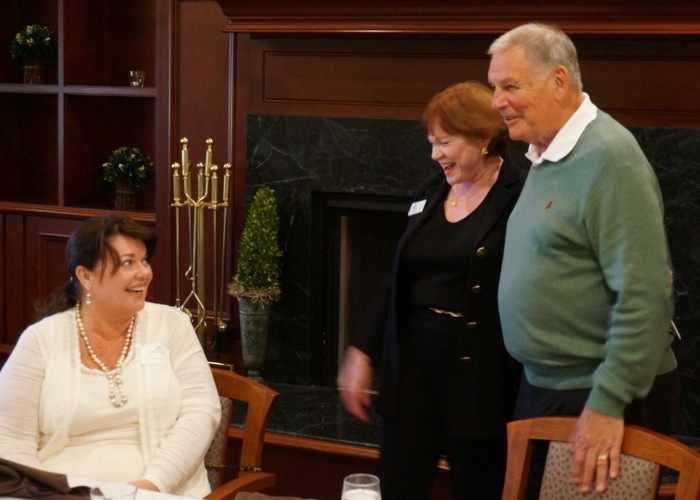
x=59 y=134
x=90 y=137
x=75 y=213
x=91 y=90
x=103 y=40
x=22 y=88
x=29 y=145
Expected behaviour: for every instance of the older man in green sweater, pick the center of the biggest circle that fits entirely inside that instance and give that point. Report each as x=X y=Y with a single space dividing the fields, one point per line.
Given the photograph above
x=586 y=292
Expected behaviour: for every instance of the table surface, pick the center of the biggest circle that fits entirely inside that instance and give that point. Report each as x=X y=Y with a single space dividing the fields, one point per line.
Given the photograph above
x=140 y=493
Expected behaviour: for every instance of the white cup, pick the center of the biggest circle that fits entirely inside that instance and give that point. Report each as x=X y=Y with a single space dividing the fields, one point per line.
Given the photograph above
x=113 y=491
x=361 y=486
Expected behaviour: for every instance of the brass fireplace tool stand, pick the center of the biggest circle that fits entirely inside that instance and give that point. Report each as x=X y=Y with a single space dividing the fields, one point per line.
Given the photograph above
x=203 y=259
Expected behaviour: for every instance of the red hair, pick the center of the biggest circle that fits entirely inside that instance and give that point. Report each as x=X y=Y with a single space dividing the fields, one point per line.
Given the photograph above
x=465 y=109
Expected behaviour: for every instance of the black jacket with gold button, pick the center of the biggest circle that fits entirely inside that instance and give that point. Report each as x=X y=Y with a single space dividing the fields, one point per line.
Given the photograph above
x=487 y=387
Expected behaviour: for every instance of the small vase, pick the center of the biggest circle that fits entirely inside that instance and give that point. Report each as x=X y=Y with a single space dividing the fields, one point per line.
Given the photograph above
x=33 y=70
x=124 y=196
x=254 y=318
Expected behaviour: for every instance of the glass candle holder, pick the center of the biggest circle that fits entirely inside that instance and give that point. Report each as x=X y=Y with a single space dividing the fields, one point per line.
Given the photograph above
x=137 y=77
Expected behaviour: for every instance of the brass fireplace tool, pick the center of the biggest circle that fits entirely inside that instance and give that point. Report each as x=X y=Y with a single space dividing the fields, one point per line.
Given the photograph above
x=202 y=249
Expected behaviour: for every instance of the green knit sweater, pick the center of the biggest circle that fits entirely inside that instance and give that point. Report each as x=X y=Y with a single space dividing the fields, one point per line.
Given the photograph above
x=585 y=294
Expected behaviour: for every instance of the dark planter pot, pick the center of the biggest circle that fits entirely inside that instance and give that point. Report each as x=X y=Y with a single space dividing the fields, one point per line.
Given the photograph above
x=124 y=196
x=254 y=319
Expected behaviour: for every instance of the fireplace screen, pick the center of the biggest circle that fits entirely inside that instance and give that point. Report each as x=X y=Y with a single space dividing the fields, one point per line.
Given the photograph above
x=358 y=241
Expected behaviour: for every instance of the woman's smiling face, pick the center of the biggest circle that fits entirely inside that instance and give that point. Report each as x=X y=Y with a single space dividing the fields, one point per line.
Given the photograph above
x=460 y=157
x=124 y=287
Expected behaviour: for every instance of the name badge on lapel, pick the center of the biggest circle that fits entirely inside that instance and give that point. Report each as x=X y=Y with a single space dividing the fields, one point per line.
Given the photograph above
x=155 y=354
x=416 y=207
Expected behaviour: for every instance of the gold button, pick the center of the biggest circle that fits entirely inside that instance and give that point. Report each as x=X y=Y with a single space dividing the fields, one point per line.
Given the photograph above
x=481 y=252
x=476 y=289
x=471 y=325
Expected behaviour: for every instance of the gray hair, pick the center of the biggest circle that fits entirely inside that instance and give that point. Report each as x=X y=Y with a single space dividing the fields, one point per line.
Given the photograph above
x=545 y=45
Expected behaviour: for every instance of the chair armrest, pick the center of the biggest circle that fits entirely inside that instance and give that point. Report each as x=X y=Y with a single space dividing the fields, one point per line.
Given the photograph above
x=248 y=481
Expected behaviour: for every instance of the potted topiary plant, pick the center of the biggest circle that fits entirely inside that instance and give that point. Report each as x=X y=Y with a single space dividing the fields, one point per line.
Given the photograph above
x=256 y=282
x=129 y=169
x=34 y=44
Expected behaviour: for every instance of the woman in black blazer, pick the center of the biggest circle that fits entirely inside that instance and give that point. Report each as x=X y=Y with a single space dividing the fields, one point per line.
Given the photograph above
x=446 y=383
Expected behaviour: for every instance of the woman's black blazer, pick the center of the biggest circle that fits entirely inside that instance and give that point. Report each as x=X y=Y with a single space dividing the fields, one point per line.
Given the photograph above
x=488 y=376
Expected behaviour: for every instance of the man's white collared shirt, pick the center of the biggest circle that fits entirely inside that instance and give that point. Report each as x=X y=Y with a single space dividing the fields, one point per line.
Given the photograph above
x=568 y=136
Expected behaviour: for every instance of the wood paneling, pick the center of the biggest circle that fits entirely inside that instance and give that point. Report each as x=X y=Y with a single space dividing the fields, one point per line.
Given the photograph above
x=364 y=58
x=458 y=16
x=389 y=77
x=14 y=283
x=360 y=76
x=45 y=241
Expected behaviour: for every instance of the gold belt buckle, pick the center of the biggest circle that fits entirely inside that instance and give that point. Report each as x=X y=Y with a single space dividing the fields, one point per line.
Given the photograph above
x=448 y=313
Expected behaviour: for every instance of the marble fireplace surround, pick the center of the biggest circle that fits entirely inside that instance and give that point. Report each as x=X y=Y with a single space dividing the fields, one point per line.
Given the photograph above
x=302 y=156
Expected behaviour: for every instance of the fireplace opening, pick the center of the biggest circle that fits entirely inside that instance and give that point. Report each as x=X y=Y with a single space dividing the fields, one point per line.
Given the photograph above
x=356 y=241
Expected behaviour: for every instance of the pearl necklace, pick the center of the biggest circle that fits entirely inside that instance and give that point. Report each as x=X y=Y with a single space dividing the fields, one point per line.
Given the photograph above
x=114 y=377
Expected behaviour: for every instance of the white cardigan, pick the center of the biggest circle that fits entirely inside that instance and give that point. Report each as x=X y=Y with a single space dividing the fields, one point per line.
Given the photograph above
x=179 y=409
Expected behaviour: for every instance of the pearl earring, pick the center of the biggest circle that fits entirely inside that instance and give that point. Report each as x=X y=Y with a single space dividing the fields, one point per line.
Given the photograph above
x=88 y=299
x=484 y=151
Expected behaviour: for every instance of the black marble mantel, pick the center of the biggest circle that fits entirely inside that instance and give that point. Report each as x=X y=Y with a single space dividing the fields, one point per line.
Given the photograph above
x=298 y=156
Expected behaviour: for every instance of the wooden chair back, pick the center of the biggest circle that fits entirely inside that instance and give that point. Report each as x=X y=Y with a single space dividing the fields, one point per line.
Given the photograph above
x=258 y=401
x=638 y=442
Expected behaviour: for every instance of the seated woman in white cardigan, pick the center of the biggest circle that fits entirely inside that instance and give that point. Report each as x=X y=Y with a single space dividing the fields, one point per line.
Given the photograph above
x=107 y=386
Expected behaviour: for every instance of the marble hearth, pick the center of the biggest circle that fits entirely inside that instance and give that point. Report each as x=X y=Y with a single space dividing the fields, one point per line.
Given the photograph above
x=305 y=157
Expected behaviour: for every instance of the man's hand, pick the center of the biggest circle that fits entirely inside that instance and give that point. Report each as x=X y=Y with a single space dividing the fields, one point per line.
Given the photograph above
x=597 y=446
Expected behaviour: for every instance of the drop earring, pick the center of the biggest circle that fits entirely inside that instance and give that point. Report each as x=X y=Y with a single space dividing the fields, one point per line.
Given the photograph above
x=88 y=298
x=484 y=151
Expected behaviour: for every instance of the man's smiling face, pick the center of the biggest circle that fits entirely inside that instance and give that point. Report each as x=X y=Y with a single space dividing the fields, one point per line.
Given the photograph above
x=525 y=98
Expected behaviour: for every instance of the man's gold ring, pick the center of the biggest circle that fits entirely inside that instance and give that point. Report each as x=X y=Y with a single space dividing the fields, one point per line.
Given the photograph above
x=602 y=456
